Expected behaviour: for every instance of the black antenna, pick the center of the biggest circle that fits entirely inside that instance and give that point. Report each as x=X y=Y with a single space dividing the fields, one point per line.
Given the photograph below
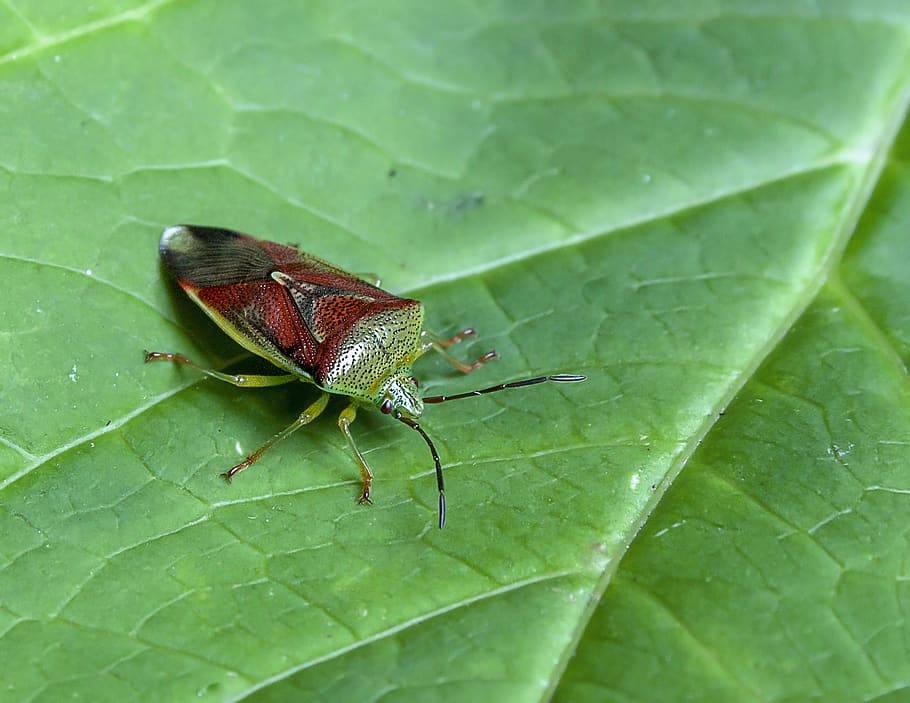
x=559 y=378
x=426 y=438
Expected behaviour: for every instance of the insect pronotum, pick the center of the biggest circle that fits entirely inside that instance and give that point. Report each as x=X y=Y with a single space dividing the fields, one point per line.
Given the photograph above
x=320 y=325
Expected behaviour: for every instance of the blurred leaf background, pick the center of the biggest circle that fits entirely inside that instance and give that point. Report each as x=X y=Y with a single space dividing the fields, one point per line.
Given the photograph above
x=702 y=206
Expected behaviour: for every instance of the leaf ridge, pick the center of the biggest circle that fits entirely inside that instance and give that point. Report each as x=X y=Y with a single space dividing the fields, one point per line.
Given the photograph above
x=392 y=631
x=137 y=14
x=811 y=288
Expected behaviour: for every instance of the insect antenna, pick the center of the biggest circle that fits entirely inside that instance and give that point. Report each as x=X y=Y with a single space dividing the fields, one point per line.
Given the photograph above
x=426 y=438
x=559 y=378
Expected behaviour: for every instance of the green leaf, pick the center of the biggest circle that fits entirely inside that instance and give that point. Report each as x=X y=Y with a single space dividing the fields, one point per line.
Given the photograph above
x=701 y=206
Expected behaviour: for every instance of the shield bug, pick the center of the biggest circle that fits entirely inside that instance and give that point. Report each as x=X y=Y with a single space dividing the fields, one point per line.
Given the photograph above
x=320 y=325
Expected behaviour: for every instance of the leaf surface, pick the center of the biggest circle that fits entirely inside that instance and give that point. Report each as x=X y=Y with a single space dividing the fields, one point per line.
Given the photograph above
x=700 y=206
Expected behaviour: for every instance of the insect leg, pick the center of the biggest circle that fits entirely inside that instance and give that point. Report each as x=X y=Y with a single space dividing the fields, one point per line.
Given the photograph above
x=344 y=423
x=455 y=338
x=240 y=380
x=370 y=278
x=440 y=346
x=306 y=417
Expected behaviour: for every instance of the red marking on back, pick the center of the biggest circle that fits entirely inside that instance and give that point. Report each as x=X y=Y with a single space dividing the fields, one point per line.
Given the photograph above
x=340 y=281
x=266 y=313
x=341 y=315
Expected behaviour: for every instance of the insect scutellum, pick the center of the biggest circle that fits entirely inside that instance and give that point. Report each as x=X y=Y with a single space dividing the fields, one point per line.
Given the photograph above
x=320 y=325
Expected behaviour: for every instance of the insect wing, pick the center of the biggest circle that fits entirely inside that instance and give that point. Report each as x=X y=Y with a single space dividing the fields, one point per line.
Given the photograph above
x=272 y=299
x=228 y=275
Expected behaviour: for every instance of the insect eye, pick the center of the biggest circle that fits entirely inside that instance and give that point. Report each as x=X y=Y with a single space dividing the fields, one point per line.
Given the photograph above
x=386 y=406
x=415 y=382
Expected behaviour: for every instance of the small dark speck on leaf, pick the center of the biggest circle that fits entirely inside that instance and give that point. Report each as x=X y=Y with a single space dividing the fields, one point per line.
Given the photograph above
x=210 y=689
x=458 y=206
x=468 y=201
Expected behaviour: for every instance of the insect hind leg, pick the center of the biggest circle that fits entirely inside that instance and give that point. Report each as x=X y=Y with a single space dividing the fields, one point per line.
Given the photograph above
x=243 y=380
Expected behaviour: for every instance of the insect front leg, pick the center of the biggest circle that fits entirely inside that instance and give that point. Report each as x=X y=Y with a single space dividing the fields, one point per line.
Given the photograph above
x=455 y=338
x=305 y=418
x=240 y=380
x=347 y=416
x=440 y=346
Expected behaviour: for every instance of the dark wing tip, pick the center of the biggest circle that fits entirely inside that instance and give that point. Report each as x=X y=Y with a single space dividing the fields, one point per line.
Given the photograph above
x=185 y=238
x=200 y=256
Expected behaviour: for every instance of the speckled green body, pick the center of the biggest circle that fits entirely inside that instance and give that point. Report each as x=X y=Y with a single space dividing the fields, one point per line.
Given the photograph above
x=311 y=318
x=373 y=362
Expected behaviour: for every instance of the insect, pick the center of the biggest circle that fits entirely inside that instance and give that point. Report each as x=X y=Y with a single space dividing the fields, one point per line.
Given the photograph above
x=320 y=325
